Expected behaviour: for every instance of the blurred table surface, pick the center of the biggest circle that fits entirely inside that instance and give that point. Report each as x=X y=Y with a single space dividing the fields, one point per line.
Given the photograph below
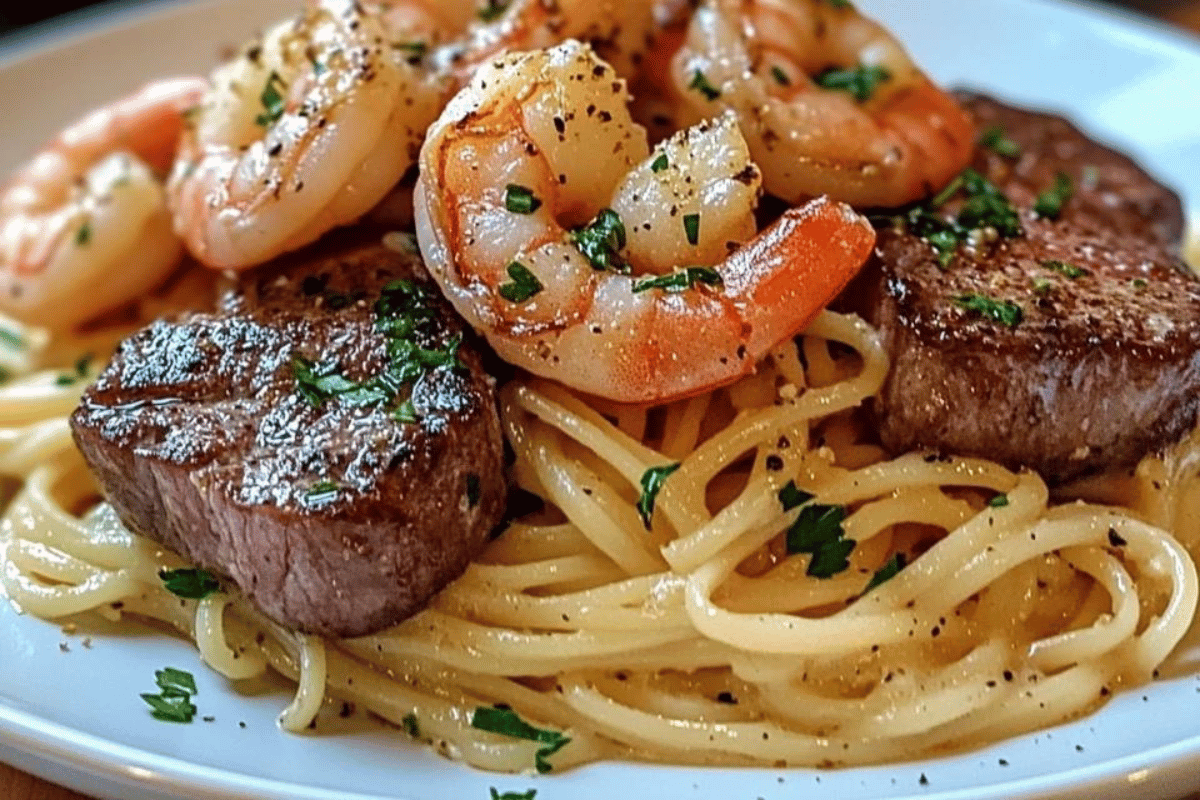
x=15 y=785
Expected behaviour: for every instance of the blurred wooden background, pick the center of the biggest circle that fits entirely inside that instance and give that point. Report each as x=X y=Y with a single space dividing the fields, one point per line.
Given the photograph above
x=16 y=785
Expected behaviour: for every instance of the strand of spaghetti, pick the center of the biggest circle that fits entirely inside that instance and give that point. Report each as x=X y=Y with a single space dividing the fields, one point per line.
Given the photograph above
x=524 y=542
x=1084 y=526
x=36 y=397
x=1038 y=704
x=625 y=605
x=213 y=646
x=558 y=408
x=549 y=572
x=94 y=587
x=760 y=742
x=37 y=515
x=926 y=505
x=24 y=449
x=310 y=688
x=897 y=708
x=671 y=701
x=1158 y=553
x=466 y=645
x=1082 y=644
x=926 y=576
x=593 y=506
x=755 y=506
x=682 y=430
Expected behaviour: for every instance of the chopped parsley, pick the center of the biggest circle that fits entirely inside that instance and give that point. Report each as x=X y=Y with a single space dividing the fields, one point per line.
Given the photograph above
x=1064 y=268
x=985 y=207
x=840 y=3
x=411 y=726
x=189 y=582
x=691 y=228
x=701 y=84
x=792 y=497
x=659 y=164
x=1049 y=204
x=403 y=311
x=321 y=493
x=818 y=532
x=84 y=235
x=506 y=722
x=11 y=339
x=860 y=82
x=888 y=571
x=1139 y=283
x=272 y=101
x=680 y=280
x=652 y=483
x=996 y=140
x=493 y=10
x=601 y=241
x=780 y=76
x=523 y=286
x=999 y=501
x=81 y=371
x=529 y=795
x=1002 y=311
x=416 y=50
x=173 y=703
x=406 y=413
x=520 y=200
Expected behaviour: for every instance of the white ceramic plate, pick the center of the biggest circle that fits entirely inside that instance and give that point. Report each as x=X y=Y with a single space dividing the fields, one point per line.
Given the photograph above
x=71 y=713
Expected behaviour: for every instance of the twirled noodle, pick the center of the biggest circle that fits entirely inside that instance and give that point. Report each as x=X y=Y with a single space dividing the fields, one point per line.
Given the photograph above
x=696 y=638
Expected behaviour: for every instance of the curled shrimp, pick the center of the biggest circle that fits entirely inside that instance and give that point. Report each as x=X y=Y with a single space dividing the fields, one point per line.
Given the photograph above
x=618 y=30
x=304 y=131
x=583 y=257
x=84 y=226
x=828 y=100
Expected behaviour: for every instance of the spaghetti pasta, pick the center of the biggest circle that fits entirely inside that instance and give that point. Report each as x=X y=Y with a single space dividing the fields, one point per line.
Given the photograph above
x=971 y=606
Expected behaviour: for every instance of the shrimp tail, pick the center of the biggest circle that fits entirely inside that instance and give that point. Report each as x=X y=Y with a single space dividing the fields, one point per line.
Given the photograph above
x=801 y=262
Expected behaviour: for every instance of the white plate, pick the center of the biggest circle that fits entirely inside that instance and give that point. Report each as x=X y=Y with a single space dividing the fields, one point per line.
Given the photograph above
x=75 y=717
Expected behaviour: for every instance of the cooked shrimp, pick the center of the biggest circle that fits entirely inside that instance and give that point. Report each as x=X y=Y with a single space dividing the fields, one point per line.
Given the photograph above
x=619 y=31
x=306 y=130
x=827 y=99
x=584 y=257
x=84 y=226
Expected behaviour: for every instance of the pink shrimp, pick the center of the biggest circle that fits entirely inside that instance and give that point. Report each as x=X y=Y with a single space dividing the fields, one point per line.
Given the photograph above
x=84 y=226
x=583 y=257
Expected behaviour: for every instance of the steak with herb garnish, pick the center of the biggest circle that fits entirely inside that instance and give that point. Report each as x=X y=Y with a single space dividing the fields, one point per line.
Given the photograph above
x=326 y=440
x=1023 y=152
x=1058 y=340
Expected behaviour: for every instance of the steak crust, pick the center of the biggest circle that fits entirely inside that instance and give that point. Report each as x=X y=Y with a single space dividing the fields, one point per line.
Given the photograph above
x=1103 y=365
x=326 y=509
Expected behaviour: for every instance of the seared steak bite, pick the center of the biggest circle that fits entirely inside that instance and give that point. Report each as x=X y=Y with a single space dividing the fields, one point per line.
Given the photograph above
x=1070 y=346
x=326 y=441
x=1024 y=151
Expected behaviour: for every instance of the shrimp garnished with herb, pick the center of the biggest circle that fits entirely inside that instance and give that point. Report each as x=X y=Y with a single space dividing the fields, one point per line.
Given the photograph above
x=584 y=257
x=305 y=131
x=828 y=100
x=84 y=226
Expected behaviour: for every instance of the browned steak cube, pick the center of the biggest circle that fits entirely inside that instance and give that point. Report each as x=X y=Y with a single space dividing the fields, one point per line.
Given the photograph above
x=1069 y=344
x=327 y=440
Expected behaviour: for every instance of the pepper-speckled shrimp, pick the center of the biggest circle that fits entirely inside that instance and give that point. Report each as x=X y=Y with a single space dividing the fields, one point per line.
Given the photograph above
x=618 y=30
x=84 y=226
x=828 y=100
x=586 y=258
x=304 y=131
